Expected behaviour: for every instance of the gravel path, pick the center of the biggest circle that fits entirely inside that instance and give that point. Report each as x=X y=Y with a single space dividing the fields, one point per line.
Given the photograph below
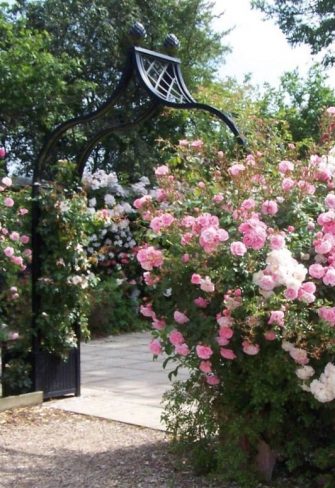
x=45 y=448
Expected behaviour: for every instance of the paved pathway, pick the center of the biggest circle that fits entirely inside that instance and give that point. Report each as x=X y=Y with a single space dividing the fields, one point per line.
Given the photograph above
x=120 y=381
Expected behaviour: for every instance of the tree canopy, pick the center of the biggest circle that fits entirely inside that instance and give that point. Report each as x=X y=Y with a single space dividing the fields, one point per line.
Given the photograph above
x=310 y=22
x=61 y=59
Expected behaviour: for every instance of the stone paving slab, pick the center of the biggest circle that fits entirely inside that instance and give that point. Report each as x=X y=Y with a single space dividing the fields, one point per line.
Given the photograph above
x=120 y=381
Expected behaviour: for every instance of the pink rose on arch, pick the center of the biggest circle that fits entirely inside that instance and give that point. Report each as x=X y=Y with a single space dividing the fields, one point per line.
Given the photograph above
x=227 y=353
x=249 y=348
x=180 y=317
x=237 y=248
x=176 y=337
x=155 y=347
x=203 y=352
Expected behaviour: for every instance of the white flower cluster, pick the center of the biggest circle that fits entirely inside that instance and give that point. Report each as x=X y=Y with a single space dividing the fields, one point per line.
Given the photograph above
x=323 y=389
x=281 y=270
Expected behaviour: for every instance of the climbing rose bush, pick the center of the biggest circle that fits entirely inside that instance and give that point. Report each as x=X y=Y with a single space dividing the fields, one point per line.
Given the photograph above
x=240 y=275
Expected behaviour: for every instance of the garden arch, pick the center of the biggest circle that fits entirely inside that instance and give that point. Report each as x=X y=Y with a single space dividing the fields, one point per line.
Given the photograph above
x=150 y=81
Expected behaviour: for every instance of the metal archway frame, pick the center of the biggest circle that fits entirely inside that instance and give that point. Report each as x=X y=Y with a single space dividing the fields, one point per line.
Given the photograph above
x=160 y=78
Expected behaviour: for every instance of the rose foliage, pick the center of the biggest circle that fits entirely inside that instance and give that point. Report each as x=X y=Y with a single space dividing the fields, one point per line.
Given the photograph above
x=240 y=275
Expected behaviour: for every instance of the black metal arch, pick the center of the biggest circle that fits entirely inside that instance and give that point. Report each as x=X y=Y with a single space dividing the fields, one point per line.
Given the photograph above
x=158 y=83
x=161 y=77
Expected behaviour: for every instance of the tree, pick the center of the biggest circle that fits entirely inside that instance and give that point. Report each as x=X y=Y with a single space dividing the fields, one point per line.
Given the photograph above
x=59 y=59
x=310 y=22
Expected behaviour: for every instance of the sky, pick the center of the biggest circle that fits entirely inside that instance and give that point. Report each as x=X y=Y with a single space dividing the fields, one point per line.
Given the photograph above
x=259 y=46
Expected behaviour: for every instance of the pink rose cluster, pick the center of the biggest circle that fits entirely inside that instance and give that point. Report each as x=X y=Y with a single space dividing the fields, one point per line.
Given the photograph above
x=207 y=228
x=150 y=258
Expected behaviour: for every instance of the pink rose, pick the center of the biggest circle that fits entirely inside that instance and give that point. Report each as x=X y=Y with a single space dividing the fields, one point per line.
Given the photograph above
x=180 y=317
x=155 y=347
x=2 y=152
x=217 y=198
x=227 y=353
x=277 y=241
x=330 y=111
x=236 y=169
x=185 y=258
x=269 y=207
x=25 y=239
x=201 y=302
x=291 y=293
x=212 y=380
x=150 y=258
x=14 y=236
x=226 y=332
x=207 y=285
x=197 y=144
x=9 y=252
x=8 y=202
x=327 y=314
x=270 y=335
x=196 y=279
x=7 y=181
x=330 y=200
x=162 y=170
x=205 y=366
x=183 y=143
x=237 y=248
x=17 y=260
x=182 y=349
x=204 y=352
x=249 y=348
x=150 y=279
x=276 y=317
x=158 y=324
x=146 y=310
x=285 y=166
x=287 y=184
x=23 y=211
x=248 y=204
x=316 y=271
x=329 y=277
x=176 y=337
x=140 y=202
x=299 y=355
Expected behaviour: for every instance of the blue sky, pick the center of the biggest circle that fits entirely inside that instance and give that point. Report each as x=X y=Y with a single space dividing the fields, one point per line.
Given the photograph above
x=259 y=47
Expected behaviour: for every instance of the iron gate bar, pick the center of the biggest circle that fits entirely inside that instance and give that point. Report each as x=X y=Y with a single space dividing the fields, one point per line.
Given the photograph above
x=161 y=78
